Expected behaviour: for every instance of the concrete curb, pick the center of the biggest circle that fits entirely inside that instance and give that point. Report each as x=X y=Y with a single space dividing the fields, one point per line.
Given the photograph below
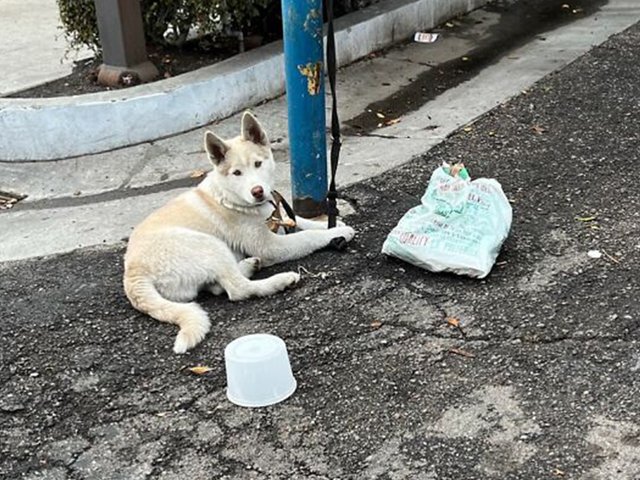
x=53 y=128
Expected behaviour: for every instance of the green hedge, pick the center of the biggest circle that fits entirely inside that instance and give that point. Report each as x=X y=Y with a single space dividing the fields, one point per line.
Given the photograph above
x=79 y=18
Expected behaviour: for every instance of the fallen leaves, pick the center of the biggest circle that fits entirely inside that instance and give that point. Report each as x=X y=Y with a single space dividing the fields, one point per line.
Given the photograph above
x=462 y=353
x=376 y=324
x=199 y=369
x=197 y=173
x=454 y=322
x=589 y=221
x=538 y=129
x=611 y=258
x=386 y=121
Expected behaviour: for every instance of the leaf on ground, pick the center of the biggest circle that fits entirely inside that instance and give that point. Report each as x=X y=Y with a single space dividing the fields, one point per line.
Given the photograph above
x=393 y=121
x=199 y=370
x=197 y=173
x=538 y=129
x=462 y=353
x=586 y=219
x=454 y=322
x=376 y=324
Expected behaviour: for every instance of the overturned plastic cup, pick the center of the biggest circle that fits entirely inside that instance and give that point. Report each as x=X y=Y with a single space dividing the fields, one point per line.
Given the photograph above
x=258 y=371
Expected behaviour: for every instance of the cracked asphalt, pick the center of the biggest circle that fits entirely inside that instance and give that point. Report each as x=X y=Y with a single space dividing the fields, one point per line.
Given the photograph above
x=544 y=384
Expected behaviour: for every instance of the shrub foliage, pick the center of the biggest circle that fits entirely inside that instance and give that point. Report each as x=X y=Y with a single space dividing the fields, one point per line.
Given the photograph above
x=79 y=22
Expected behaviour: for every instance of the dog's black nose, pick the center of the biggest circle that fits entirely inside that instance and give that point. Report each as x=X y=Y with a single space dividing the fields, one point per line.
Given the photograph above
x=257 y=192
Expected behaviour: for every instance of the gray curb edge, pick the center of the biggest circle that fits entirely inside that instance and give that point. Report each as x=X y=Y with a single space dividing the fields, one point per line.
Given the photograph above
x=54 y=128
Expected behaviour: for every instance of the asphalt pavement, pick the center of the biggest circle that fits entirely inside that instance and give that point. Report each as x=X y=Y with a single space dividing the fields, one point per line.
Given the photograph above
x=539 y=381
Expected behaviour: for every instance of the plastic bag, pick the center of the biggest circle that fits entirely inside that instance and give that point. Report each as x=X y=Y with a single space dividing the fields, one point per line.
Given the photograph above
x=459 y=227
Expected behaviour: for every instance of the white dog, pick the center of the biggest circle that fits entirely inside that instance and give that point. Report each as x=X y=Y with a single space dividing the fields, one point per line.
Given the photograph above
x=215 y=237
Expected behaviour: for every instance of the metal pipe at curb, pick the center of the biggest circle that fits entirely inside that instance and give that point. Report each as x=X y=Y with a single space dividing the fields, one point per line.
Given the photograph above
x=55 y=128
x=304 y=68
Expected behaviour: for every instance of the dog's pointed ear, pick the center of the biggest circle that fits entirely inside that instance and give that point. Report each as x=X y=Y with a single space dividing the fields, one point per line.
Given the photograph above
x=253 y=131
x=216 y=147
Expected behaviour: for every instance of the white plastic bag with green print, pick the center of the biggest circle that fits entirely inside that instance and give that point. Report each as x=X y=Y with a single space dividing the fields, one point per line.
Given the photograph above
x=459 y=227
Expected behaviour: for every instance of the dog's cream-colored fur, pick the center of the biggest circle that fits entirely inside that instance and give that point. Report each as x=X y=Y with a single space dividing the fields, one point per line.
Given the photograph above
x=215 y=236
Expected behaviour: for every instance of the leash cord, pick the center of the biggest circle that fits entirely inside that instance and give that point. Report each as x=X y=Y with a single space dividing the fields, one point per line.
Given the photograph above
x=332 y=195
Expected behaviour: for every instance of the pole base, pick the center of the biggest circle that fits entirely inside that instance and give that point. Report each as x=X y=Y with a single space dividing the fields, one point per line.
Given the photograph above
x=308 y=208
x=111 y=76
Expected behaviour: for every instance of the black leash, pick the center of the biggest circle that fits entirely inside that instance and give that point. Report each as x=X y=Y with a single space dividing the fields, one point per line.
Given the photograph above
x=332 y=195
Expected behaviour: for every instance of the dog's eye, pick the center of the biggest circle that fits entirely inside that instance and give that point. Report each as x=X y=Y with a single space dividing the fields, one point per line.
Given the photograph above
x=237 y=173
x=258 y=164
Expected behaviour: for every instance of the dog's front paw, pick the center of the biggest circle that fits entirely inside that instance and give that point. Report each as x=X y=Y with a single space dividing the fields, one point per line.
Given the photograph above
x=346 y=232
x=291 y=278
x=285 y=280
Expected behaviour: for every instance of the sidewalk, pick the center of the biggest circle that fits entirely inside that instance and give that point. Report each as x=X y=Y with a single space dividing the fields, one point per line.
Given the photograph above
x=32 y=45
x=547 y=388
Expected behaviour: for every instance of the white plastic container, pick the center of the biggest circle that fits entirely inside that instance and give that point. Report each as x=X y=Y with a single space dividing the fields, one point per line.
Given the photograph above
x=258 y=371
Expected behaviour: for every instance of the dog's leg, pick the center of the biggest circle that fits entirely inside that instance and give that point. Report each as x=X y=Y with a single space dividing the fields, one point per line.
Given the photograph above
x=234 y=280
x=306 y=224
x=282 y=248
x=248 y=267
x=238 y=287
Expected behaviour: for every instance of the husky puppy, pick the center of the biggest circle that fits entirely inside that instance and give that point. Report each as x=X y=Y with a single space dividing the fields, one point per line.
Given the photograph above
x=215 y=237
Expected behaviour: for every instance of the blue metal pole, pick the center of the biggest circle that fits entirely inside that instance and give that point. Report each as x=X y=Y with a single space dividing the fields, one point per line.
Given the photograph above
x=304 y=70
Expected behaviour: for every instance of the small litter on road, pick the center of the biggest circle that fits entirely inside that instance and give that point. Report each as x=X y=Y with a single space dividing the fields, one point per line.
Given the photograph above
x=321 y=275
x=422 y=37
x=594 y=254
x=609 y=257
x=459 y=227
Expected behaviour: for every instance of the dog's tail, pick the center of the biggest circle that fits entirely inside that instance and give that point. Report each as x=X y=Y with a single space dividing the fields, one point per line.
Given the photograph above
x=190 y=317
